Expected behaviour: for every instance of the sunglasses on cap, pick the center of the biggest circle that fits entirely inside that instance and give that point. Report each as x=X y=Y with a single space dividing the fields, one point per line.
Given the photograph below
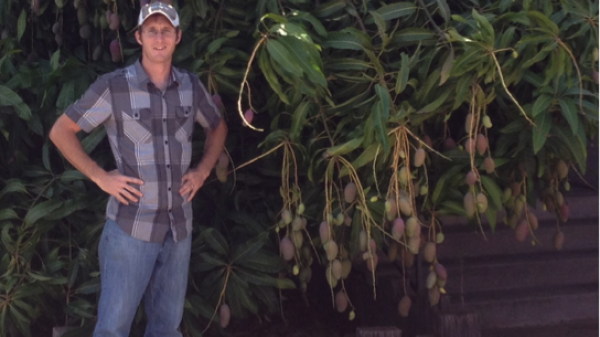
x=159 y=8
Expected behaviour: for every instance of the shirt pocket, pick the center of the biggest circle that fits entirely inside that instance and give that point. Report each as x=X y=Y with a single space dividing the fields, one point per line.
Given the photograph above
x=137 y=125
x=185 y=123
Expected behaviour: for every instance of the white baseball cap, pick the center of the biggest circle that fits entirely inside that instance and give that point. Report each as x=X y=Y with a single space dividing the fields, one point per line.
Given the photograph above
x=161 y=8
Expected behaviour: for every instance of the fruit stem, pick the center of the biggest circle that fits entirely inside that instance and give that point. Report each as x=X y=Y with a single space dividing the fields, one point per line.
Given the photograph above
x=245 y=83
x=506 y=89
x=220 y=298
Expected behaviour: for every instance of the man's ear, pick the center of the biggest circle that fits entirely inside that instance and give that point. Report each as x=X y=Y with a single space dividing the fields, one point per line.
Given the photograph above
x=138 y=37
x=178 y=36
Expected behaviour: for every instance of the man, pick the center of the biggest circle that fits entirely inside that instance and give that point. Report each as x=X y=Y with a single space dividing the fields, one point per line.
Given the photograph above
x=148 y=110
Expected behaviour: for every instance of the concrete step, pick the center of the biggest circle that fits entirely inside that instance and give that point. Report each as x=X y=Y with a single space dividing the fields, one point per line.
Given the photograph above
x=466 y=242
x=578 y=328
x=508 y=272
x=533 y=306
x=514 y=285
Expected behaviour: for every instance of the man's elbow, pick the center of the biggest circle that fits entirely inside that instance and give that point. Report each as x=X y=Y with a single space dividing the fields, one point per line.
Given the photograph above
x=62 y=127
x=54 y=133
x=223 y=127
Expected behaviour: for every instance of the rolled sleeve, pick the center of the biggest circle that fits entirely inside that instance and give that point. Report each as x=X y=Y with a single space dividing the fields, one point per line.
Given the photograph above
x=93 y=108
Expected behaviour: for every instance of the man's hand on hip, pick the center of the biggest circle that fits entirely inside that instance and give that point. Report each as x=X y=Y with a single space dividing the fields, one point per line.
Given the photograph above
x=119 y=186
x=191 y=182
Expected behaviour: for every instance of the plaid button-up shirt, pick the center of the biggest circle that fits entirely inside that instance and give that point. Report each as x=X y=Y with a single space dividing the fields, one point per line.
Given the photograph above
x=150 y=133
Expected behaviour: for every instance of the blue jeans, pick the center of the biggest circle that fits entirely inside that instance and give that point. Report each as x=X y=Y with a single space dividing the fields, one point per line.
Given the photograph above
x=131 y=268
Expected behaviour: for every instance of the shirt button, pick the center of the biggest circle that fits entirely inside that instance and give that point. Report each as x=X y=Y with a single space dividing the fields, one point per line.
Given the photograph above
x=164 y=120
x=169 y=189
x=166 y=142
x=170 y=211
x=168 y=166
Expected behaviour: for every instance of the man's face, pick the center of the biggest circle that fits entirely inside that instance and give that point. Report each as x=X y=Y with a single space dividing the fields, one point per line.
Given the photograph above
x=158 y=39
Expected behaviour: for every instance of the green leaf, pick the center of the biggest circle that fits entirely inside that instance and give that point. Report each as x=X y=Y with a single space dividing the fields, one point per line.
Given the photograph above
x=13 y=186
x=507 y=37
x=484 y=24
x=10 y=98
x=328 y=8
x=20 y=319
x=262 y=262
x=381 y=24
x=72 y=175
x=544 y=22
x=543 y=122
x=435 y=104
x=441 y=183
x=307 y=56
x=347 y=64
x=267 y=71
x=198 y=304
x=66 y=96
x=29 y=310
x=215 y=240
x=380 y=116
x=267 y=296
x=413 y=35
x=569 y=111
x=250 y=247
x=275 y=17
x=69 y=207
x=462 y=88
x=291 y=30
x=41 y=278
x=265 y=280
x=541 y=104
x=8 y=214
x=366 y=157
x=384 y=98
x=282 y=56
x=316 y=24
x=213 y=259
x=215 y=45
x=339 y=40
x=46 y=156
x=186 y=15
x=89 y=287
x=447 y=67
x=41 y=210
x=345 y=148
x=395 y=10
x=298 y=120
x=444 y=10
x=402 y=78
x=573 y=144
x=491 y=215
x=516 y=126
x=55 y=59
x=21 y=24
x=238 y=288
x=452 y=208
x=493 y=191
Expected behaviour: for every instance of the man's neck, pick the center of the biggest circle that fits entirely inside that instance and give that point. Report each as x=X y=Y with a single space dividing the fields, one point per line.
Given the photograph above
x=158 y=73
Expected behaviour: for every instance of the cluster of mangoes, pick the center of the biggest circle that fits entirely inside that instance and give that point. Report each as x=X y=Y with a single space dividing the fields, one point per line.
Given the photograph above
x=90 y=19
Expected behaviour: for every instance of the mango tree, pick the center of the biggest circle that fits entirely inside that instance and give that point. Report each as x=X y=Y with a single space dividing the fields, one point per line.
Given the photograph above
x=356 y=127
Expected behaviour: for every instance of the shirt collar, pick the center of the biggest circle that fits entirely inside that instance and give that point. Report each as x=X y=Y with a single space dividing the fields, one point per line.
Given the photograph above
x=142 y=76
